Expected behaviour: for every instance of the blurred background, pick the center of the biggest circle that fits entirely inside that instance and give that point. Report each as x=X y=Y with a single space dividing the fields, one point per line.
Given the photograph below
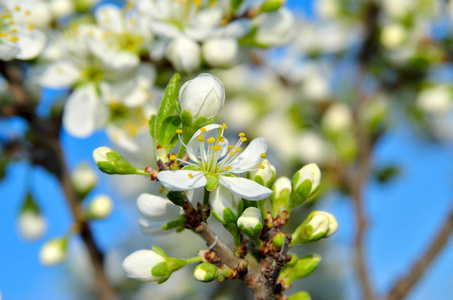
x=362 y=88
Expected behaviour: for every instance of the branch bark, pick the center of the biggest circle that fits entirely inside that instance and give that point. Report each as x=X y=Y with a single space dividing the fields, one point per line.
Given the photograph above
x=47 y=143
x=408 y=281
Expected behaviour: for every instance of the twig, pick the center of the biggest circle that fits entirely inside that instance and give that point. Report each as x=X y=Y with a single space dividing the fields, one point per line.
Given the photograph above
x=280 y=262
x=47 y=141
x=408 y=281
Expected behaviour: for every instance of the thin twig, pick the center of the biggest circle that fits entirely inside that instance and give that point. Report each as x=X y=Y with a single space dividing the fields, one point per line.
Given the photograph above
x=404 y=285
x=280 y=262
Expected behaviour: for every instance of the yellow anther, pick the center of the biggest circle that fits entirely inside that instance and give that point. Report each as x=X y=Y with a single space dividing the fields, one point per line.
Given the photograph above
x=217 y=148
x=17 y=7
x=224 y=126
x=179 y=131
x=27 y=12
x=200 y=138
x=14 y=39
x=6 y=10
x=244 y=139
x=241 y=134
x=232 y=153
x=222 y=139
x=11 y=22
x=161 y=190
x=263 y=155
x=173 y=156
x=238 y=149
x=211 y=147
x=224 y=21
x=190 y=175
x=203 y=129
x=211 y=140
x=14 y=30
x=31 y=27
x=228 y=168
x=261 y=167
x=230 y=147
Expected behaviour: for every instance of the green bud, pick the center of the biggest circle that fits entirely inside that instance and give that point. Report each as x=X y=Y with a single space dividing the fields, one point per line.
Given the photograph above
x=300 y=296
x=251 y=222
x=278 y=240
x=111 y=162
x=271 y=5
x=305 y=183
x=206 y=272
x=317 y=225
x=264 y=175
x=279 y=199
x=302 y=268
x=83 y=179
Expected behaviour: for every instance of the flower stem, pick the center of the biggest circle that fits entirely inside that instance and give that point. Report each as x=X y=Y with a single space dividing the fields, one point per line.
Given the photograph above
x=195 y=259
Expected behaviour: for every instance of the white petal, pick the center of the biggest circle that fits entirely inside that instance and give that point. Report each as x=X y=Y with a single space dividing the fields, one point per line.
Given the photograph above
x=138 y=265
x=180 y=181
x=251 y=156
x=247 y=189
x=62 y=74
x=120 y=138
x=195 y=196
x=8 y=51
x=83 y=112
x=222 y=198
x=193 y=147
x=157 y=209
x=31 y=43
x=109 y=17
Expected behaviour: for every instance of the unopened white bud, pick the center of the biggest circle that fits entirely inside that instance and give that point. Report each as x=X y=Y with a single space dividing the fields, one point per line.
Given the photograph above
x=139 y=265
x=206 y=272
x=100 y=207
x=83 y=178
x=32 y=225
x=305 y=183
x=251 y=222
x=157 y=209
x=202 y=96
x=393 y=35
x=100 y=154
x=435 y=100
x=338 y=118
x=220 y=52
x=264 y=174
x=53 y=252
x=184 y=54
x=111 y=162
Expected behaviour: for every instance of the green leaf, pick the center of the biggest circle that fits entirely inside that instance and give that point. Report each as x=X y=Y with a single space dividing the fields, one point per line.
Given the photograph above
x=168 y=137
x=175 y=197
x=161 y=269
x=186 y=118
x=152 y=124
x=159 y=251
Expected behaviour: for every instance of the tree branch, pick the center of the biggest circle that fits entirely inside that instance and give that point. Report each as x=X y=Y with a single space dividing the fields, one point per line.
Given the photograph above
x=408 y=281
x=280 y=262
x=48 y=152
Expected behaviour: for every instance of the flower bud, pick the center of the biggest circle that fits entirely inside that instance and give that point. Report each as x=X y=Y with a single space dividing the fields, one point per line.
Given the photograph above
x=302 y=295
x=302 y=268
x=111 y=162
x=251 y=222
x=100 y=207
x=31 y=224
x=202 y=96
x=275 y=28
x=305 y=183
x=151 y=265
x=184 y=54
x=280 y=197
x=271 y=5
x=220 y=52
x=224 y=205
x=206 y=272
x=83 y=178
x=317 y=225
x=264 y=175
x=337 y=119
x=157 y=209
x=278 y=240
x=54 y=251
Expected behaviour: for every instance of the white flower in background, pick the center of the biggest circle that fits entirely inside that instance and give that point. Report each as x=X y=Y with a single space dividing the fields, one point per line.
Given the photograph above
x=61 y=8
x=53 y=252
x=18 y=39
x=220 y=52
x=275 y=28
x=100 y=207
x=83 y=178
x=393 y=35
x=214 y=161
x=184 y=54
x=32 y=225
x=338 y=118
x=30 y=12
x=202 y=96
x=327 y=9
x=139 y=264
x=313 y=148
x=436 y=99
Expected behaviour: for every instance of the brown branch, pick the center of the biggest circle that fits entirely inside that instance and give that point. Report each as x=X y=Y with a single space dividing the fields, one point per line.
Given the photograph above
x=280 y=262
x=47 y=151
x=408 y=281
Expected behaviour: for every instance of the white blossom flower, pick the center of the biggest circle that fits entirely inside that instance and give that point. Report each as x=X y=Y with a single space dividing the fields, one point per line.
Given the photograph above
x=157 y=209
x=18 y=39
x=275 y=28
x=100 y=207
x=214 y=162
x=184 y=54
x=220 y=52
x=32 y=225
x=139 y=264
